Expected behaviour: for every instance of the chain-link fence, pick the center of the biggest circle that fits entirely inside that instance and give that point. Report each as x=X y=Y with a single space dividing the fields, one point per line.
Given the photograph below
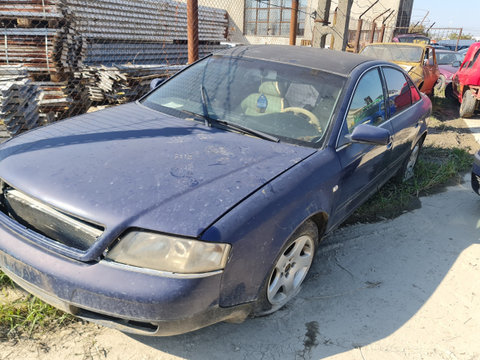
x=61 y=57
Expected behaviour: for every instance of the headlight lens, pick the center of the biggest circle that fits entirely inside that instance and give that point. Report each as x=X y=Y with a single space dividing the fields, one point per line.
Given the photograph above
x=168 y=253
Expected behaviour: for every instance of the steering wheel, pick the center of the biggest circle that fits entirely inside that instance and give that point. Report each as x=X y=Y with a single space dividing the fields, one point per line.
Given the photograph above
x=313 y=119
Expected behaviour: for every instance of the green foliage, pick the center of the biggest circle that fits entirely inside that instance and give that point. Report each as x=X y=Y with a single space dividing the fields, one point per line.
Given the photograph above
x=5 y=281
x=454 y=36
x=28 y=314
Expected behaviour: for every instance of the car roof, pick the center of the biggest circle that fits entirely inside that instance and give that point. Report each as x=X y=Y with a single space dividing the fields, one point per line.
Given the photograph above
x=337 y=62
x=400 y=44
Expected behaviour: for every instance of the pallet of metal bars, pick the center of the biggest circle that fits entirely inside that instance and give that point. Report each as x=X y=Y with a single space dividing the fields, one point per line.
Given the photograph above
x=18 y=101
x=32 y=48
x=31 y=13
x=123 y=83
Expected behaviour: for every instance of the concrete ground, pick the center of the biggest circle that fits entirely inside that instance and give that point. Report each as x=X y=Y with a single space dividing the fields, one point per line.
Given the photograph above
x=400 y=289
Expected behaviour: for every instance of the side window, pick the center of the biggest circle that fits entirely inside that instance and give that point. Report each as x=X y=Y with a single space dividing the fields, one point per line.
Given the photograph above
x=368 y=103
x=415 y=93
x=431 y=60
x=399 y=94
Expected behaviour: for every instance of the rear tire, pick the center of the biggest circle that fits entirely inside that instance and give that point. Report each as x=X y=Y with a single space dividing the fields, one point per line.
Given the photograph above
x=289 y=270
x=467 y=107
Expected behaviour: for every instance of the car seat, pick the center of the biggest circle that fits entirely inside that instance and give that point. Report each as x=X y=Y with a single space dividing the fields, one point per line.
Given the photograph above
x=268 y=100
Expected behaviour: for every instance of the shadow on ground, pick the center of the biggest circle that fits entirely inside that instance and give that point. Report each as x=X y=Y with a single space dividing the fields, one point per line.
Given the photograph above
x=367 y=282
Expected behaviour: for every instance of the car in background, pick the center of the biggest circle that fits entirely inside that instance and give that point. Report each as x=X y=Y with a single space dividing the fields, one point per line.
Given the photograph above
x=463 y=52
x=418 y=60
x=476 y=173
x=205 y=200
x=448 y=63
x=465 y=86
x=411 y=38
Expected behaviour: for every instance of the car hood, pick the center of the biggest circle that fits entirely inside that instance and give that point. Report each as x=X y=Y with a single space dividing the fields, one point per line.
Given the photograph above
x=447 y=70
x=130 y=166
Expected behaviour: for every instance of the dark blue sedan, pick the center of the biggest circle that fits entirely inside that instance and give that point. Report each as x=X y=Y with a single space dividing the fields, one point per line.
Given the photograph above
x=205 y=200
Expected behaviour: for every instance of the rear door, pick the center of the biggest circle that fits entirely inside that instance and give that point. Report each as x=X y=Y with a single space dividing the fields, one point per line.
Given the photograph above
x=401 y=114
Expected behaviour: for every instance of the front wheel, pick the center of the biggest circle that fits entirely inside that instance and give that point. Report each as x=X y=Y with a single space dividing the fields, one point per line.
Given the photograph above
x=289 y=270
x=467 y=107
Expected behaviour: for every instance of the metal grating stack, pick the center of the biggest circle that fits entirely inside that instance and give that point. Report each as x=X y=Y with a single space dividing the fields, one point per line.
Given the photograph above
x=18 y=101
x=144 y=20
x=55 y=40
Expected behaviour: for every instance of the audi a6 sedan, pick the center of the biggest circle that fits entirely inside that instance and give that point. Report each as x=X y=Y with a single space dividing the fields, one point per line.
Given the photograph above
x=205 y=200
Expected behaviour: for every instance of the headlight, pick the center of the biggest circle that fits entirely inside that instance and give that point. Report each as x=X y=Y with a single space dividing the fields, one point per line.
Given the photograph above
x=168 y=253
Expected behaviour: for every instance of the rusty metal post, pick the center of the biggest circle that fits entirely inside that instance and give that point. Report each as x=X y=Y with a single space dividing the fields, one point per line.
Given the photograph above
x=372 y=32
x=294 y=23
x=374 y=25
x=357 y=35
x=384 y=27
x=359 y=27
x=382 y=33
x=458 y=39
x=192 y=30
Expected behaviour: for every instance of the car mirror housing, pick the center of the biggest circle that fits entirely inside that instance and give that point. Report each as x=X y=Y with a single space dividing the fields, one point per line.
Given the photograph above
x=369 y=134
x=156 y=83
x=457 y=63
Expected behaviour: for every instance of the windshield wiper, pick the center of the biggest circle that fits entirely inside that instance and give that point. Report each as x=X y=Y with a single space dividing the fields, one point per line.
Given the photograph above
x=206 y=116
x=246 y=130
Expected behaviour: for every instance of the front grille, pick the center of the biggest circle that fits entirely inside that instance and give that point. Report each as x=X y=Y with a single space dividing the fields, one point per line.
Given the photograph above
x=48 y=221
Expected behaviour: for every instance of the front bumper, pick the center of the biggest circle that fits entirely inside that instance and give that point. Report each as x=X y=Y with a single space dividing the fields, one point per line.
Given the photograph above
x=114 y=296
x=476 y=174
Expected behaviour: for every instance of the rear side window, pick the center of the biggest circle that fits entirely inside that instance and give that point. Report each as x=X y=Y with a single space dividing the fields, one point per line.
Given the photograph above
x=399 y=93
x=415 y=93
x=368 y=103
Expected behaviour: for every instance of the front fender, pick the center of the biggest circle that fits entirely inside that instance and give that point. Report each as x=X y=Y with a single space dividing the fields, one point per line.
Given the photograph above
x=259 y=226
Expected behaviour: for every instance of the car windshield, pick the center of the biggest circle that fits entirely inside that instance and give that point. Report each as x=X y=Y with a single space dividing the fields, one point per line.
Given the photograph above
x=414 y=39
x=292 y=103
x=402 y=53
x=447 y=57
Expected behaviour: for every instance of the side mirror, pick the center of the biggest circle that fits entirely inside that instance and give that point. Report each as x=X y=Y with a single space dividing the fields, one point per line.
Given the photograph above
x=156 y=83
x=456 y=63
x=369 y=134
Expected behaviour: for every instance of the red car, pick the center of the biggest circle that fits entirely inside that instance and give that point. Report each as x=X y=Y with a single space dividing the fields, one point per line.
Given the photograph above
x=466 y=82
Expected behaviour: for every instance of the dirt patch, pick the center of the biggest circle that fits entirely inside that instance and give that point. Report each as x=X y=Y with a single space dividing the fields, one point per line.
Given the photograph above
x=447 y=130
